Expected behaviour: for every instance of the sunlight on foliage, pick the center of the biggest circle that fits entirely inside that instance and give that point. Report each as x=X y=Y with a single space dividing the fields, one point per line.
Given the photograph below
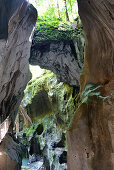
x=56 y=8
x=57 y=21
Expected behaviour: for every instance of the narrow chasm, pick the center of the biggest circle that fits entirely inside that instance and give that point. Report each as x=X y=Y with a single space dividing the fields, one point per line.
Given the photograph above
x=43 y=118
x=40 y=67
x=52 y=95
x=56 y=85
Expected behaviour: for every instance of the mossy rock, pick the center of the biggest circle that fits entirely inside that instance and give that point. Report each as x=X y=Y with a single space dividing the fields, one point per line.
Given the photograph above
x=50 y=101
x=40 y=106
x=47 y=29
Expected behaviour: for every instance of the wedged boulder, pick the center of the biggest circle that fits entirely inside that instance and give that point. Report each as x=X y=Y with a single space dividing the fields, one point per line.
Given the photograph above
x=15 y=42
x=90 y=136
x=63 y=57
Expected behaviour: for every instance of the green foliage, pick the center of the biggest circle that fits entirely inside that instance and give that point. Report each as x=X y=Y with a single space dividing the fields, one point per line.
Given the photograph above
x=50 y=12
x=91 y=90
x=56 y=8
x=51 y=23
x=62 y=98
x=55 y=29
x=36 y=85
x=31 y=129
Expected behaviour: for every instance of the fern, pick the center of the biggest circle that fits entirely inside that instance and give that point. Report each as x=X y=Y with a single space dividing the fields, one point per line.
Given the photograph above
x=89 y=91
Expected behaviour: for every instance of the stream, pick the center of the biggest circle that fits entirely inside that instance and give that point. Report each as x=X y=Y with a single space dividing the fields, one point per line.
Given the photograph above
x=31 y=166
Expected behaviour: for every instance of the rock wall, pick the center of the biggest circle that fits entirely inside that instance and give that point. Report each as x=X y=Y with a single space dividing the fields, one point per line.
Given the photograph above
x=90 y=136
x=63 y=57
x=44 y=95
x=20 y=18
x=51 y=106
x=14 y=57
x=10 y=154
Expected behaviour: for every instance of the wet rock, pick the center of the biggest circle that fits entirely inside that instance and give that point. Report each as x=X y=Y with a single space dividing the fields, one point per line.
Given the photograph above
x=50 y=130
x=46 y=163
x=34 y=158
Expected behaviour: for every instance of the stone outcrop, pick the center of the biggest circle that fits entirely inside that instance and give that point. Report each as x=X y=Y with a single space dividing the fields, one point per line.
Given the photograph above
x=14 y=55
x=7 y=9
x=15 y=42
x=51 y=106
x=63 y=57
x=10 y=154
x=91 y=134
x=45 y=95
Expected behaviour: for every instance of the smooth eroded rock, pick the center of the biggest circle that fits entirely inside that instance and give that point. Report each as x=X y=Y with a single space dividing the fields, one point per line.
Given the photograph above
x=17 y=20
x=90 y=136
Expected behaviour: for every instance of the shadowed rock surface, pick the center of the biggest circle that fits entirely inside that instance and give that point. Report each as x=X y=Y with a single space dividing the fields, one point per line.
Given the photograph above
x=63 y=57
x=14 y=66
x=90 y=136
x=7 y=9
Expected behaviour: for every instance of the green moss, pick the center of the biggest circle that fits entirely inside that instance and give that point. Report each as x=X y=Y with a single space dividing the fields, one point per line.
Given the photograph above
x=36 y=85
x=55 y=29
x=40 y=105
x=62 y=99
x=48 y=96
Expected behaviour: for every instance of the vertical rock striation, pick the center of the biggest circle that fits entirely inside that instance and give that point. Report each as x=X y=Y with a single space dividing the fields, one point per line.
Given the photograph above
x=91 y=134
x=17 y=20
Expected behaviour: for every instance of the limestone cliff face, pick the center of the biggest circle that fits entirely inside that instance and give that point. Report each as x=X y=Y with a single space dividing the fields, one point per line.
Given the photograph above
x=14 y=55
x=63 y=57
x=90 y=137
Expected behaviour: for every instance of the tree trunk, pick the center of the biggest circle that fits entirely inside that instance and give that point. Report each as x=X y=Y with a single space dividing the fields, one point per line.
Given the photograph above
x=66 y=11
x=91 y=135
x=58 y=9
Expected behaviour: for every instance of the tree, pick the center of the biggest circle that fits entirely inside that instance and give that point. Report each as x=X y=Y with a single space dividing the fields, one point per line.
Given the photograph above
x=58 y=9
x=66 y=11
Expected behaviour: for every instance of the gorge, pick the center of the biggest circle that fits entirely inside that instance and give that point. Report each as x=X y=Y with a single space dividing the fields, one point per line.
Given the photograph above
x=62 y=119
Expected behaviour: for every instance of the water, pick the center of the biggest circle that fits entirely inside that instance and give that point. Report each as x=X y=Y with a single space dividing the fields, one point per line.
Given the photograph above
x=25 y=162
x=33 y=166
